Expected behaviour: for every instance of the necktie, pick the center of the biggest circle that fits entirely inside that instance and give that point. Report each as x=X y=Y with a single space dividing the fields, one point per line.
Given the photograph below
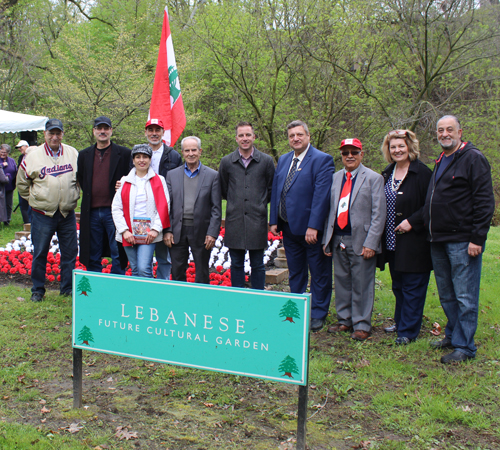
x=345 y=196
x=286 y=186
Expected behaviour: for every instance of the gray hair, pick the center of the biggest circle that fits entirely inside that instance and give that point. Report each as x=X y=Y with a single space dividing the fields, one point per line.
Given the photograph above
x=197 y=139
x=297 y=123
x=5 y=147
x=450 y=116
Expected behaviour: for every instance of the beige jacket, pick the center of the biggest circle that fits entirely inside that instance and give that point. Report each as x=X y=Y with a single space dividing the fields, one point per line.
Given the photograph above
x=49 y=183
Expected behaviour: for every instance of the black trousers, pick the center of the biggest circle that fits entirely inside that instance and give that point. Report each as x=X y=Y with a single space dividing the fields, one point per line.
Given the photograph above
x=179 y=253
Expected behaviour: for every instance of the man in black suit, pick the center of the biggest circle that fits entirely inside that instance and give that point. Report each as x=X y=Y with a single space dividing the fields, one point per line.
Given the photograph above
x=195 y=212
x=100 y=166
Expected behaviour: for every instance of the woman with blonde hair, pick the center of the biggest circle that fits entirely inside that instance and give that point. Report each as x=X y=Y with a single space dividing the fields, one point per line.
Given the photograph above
x=405 y=245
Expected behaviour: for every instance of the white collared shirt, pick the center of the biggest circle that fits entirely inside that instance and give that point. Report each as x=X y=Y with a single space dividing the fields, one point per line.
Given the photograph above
x=300 y=158
x=156 y=158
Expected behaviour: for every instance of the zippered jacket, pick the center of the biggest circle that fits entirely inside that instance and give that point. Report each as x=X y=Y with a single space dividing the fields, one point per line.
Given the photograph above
x=49 y=183
x=460 y=205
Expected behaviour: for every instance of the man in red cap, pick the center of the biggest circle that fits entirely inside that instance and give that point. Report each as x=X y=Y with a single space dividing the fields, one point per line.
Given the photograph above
x=164 y=159
x=355 y=226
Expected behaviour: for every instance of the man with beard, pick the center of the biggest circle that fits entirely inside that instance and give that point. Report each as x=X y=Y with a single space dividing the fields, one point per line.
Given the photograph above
x=100 y=166
x=164 y=159
x=458 y=211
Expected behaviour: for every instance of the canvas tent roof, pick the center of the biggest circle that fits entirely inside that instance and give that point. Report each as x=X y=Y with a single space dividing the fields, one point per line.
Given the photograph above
x=11 y=122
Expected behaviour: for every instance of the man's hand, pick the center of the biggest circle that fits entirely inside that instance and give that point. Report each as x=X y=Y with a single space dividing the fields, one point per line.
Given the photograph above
x=209 y=242
x=326 y=253
x=152 y=235
x=274 y=229
x=118 y=184
x=474 y=250
x=129 y=237
x=311 y=236
x=403 y=227
x=367 y=253
x=168 y=238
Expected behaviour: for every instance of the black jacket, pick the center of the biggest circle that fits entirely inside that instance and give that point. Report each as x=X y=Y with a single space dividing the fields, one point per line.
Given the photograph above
x=412 y=249
x=460 y=205
x=119 y=166
x=170 y=159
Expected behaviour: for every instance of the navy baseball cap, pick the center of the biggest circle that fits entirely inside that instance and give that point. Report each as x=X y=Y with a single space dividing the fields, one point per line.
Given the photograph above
x=52 y=124
x=102 y=120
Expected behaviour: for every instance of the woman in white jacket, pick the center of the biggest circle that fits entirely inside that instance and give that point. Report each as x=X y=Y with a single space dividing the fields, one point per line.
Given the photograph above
x=141 y=211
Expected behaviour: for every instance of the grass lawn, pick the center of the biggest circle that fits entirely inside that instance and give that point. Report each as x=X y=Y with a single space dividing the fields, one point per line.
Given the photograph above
x=369 y=395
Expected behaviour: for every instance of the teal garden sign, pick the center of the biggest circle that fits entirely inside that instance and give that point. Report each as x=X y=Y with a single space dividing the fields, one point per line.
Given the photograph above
x=261 y=334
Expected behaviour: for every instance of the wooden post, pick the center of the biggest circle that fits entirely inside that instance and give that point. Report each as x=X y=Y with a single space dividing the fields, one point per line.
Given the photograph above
x=77 y=378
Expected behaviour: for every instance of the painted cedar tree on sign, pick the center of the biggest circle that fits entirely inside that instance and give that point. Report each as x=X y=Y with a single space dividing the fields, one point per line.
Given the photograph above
x=289 y=366
x=290 y=311
x=84 y=286
x=86 y=335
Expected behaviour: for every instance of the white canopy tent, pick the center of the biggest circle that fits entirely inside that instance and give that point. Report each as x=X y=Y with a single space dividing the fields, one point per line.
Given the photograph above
x=11 y=122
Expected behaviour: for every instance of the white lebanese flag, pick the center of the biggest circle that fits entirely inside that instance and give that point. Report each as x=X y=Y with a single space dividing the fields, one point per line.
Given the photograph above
x=344 y=204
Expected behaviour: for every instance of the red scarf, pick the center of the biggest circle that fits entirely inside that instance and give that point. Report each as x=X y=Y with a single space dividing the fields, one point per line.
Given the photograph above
x=160 y=202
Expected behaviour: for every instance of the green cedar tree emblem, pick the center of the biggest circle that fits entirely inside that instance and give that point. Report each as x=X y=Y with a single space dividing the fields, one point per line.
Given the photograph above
x=175 y=86
x=86 y=335
x=84 y=286
x=290 y=311
x=289 y=366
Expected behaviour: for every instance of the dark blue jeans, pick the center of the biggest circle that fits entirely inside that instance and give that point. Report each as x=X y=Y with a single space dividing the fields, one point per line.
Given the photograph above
x=25 y=208
x=458 y=277
x=410 y=290
x=102 y=227
x=42 y=229
x=258 y=276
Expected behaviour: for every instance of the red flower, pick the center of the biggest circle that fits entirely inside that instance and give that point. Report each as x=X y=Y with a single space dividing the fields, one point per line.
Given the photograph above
x=58 y=277
x=219 y=269
x=104 y=262
x=51 y=278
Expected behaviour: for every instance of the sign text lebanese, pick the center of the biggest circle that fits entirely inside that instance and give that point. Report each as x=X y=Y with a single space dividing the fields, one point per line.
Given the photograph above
x=262 y=334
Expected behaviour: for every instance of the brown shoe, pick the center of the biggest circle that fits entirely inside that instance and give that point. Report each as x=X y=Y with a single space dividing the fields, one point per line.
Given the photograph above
x=360 y=335
x=338 y=327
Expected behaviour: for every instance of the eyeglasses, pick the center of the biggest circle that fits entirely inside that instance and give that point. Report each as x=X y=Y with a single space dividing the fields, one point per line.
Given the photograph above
x=398 y=133
x=350 y=152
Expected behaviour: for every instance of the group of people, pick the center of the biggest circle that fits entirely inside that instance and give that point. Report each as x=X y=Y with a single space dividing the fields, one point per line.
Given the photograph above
x=8 y=174
x=410 y=217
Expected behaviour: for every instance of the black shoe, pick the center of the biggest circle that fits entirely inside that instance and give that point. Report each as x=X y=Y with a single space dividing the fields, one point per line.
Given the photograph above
x=455 y=356
x=443 y=343
x=402 y=341
x=317 y=324
x=391 y=329
x=36 y=297
x=67 y=294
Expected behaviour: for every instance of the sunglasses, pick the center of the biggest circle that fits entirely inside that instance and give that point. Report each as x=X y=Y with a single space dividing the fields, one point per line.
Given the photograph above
x=398 y=133
x=350 y=152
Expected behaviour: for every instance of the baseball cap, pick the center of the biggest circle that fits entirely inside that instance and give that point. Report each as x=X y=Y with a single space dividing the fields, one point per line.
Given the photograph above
x=352 y=142
x=145 y=149
x=154 y=122
x=51 y=124
x=102 y=120
x=22 y=144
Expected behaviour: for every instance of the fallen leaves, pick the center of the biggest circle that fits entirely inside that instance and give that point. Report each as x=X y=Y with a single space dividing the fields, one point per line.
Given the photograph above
x=123 y=433
x=45 y=410
x=436 y=331
x=73 y=428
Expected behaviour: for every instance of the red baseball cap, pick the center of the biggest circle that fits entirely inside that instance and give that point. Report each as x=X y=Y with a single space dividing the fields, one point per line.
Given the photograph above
x=154 y=122
x=352 y=142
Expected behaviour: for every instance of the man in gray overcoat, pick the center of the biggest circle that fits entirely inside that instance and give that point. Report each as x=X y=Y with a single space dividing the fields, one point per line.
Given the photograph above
x=246 y=178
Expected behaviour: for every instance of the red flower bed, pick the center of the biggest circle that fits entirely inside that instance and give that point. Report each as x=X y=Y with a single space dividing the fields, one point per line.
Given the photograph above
x=15 y=262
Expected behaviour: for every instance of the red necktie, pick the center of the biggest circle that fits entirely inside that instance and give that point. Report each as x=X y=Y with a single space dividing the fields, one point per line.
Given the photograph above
x=343 y=208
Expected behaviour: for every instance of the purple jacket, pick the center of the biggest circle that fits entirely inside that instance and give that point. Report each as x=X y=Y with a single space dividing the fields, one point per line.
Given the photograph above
x=10 y=171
